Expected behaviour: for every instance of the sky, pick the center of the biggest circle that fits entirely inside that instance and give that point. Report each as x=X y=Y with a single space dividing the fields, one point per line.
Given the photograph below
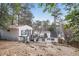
x=40 y=15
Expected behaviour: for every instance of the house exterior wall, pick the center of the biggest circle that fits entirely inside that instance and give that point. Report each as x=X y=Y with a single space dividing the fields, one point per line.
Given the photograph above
x=9 y=35
x=24 y=28
x=14 y=33
x=47 y=32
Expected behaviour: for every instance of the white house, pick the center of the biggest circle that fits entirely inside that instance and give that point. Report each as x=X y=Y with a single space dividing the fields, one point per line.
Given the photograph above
x=49 y=37
x=42 y=33
x=45 y=34
x=16 y=32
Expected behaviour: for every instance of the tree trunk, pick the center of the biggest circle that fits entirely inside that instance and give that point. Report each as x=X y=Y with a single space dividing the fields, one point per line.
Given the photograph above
x=55 y=26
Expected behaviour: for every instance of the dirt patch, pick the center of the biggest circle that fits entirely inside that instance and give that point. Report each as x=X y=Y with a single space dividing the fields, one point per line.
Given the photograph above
x=11 y=48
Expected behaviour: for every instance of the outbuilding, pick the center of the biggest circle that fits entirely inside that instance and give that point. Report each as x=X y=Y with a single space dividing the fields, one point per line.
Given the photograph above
x=16 y=32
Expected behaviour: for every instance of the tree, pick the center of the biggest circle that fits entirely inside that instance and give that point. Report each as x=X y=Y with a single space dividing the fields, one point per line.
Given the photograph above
x=37 y=25
x=51 y=27
x=6 y=14
x=55 y=12
x=25 y=16
x=47 y=6
x=15 y=8
x=41 y=25
x=73 y=19
x=45 y=25
x=10 y=11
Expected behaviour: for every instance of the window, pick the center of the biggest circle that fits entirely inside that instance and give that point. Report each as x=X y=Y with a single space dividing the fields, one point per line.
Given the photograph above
x=52 y=39
x=24 y=32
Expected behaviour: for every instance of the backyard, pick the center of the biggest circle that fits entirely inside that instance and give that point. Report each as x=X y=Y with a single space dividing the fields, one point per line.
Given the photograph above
x=38 y=24
x=12 y=48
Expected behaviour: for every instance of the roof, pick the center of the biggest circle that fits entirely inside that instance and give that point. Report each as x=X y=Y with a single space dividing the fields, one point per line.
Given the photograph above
x=13 y=26
x=19 y=26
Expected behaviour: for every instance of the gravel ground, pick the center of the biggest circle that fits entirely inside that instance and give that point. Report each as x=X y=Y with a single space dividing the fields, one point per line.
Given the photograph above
x=10 y=48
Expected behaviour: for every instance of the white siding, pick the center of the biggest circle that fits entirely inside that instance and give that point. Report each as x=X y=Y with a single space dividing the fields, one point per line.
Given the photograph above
x=47 y=32
x=14 y=32
x=24 y=28
x=9 y=35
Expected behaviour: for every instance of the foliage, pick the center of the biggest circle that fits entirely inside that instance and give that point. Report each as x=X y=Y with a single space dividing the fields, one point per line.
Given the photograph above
x=41 y=25
x=52 y=8
x=55 y=11
x=25 y=16
x=73 y=18
x=10 y=11
x=6 y=13
x=47 y=6
x=51 y=27
x=3 y=13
